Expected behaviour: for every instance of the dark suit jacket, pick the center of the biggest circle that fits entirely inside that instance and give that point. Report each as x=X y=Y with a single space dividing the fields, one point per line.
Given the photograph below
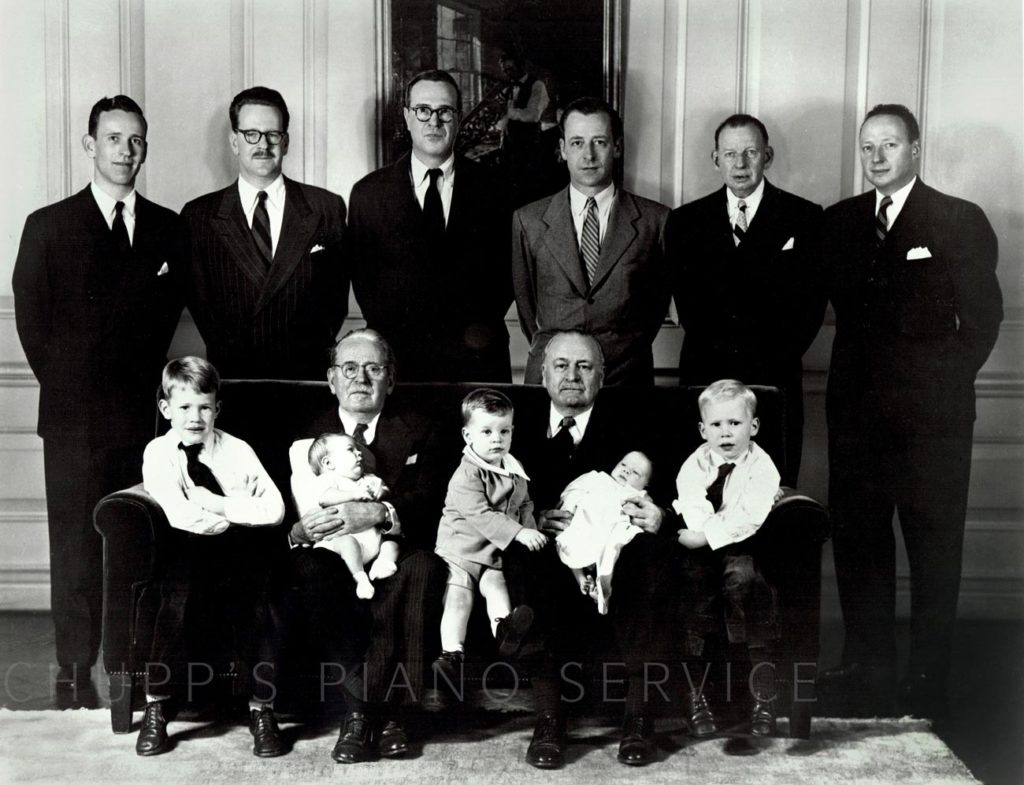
x=96 y=337
x=911 y=333
x=410 y=459
x=749 y=311
x=260 y=323
x=623 y=308
x=444 y=317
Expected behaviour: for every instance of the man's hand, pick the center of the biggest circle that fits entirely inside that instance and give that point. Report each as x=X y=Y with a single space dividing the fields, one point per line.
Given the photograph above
x=553 y=522
x=531 y=539
x=346 y=518
x=644 y=513
x=691 y=539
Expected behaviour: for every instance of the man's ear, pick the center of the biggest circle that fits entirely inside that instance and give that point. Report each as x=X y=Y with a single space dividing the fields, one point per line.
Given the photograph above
x=769 y=156
x=89 y=145
x=755 y=424
x=714 y=158
x=164 y=406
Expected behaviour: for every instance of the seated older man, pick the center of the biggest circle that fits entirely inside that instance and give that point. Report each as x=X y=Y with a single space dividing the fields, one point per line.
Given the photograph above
x=570 y=436
x=401 y=448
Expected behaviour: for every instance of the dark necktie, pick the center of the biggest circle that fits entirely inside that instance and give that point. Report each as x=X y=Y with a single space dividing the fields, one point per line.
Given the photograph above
x=739 y=231
x=882 y=220
x=261 y=229
x=119 y=231
x=433 y=209
x=590 y=240
x=715 y=489
x=198 y=471
x=369 y=459
x=562 y=442
x=359 y=434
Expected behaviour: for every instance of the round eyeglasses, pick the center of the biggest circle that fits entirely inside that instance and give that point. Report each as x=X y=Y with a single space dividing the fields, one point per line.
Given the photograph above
x=350 y=370
x=445 y=114
x=252 y=136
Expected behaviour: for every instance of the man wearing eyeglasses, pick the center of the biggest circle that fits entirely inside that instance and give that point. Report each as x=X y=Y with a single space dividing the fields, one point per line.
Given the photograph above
x=743 y=261
x=428 y=247
x=266 y=286
x=402 y=448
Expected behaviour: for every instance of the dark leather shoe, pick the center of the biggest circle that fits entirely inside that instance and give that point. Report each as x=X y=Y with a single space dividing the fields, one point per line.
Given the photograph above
x=267 y=741
x=393 y=741
x=153 y=733
x=762 y=718
x=547 y=748
x=923 y=696
x=702 y=721
x=636 y=747
x=353 y=744
x=512 y=630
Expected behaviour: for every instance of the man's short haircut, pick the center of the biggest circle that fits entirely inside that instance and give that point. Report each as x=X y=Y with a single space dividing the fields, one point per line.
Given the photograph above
x=598 y=351
x=435 y=75
x=263 y=96
x=589 y=105
x=191 y=373
x=900 y=111
x=728 y=390
x=739 y=121
x=484 y=399
x=368 y=334
x=320 y=448
x=118 y=102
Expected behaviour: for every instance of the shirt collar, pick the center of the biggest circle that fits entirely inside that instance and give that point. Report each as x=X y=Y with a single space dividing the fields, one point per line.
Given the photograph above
x=247 y=192
x=555 y=420
x=420 y=169
x=753 y=201
x=510 y=467
x=717 y=460
x=349 y=423
x=578 y=200
x=899 y=198
x=210 y=443
x=106 y=202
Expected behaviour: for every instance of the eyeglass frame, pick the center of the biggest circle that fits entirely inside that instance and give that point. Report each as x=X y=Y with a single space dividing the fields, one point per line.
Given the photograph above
x=416 y=110
x=283 y=135
x=365 y=367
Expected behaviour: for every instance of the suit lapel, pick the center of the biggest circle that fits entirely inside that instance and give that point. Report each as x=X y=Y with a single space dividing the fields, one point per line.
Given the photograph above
x=560 y=239
x=298 y=226
x=229 y=223
x=619 y=236
x=391 y=447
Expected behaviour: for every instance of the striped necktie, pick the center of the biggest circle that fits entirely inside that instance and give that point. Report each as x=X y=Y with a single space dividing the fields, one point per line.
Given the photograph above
x=590 y=241
x=882 y=220
x=261 y=228
x=740 y=229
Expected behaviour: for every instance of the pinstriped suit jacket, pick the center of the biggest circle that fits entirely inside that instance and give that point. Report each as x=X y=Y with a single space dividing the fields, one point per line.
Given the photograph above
x=271 y=323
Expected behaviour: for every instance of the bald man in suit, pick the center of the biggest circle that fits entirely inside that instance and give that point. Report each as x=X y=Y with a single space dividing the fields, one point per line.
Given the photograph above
x=266 y=285
x=96 y=301
x=592 y=257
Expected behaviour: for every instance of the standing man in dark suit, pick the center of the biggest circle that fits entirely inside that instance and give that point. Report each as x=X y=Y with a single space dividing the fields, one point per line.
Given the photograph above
x=570 y=436
x=401 y=447
x=743 y=259
x=911 y=275
x=96 y=300
x=428 y=247
x=266 y=285
x=592 y=257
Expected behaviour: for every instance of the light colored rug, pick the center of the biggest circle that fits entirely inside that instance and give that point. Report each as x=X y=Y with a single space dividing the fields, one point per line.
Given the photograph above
x=54 y=747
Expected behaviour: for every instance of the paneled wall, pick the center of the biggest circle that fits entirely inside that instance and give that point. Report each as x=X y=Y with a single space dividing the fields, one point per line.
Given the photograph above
x=808 y=68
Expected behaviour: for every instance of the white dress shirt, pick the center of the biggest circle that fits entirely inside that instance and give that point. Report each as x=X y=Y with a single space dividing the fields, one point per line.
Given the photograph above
x=421 y=181
x=899 y=198
x=752 y=202
x=576 y=431
x=578 y=205
x=107 y=205
x=275 y=205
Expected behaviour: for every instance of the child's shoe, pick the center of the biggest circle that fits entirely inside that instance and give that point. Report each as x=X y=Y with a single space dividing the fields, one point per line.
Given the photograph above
x=702 y=720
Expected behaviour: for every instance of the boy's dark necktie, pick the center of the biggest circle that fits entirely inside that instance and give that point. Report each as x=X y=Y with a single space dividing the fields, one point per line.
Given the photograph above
x=715 y=489
x=199 y=472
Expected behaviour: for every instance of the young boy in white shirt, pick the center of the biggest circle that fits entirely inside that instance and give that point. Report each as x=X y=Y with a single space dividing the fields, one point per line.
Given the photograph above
x=726 y=488
x=213 y=490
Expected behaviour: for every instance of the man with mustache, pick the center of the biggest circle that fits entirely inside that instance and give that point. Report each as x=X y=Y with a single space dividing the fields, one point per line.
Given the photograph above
x=266 y=285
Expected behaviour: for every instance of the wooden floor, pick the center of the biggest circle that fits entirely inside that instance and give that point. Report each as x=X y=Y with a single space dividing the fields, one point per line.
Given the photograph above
x=987 y=692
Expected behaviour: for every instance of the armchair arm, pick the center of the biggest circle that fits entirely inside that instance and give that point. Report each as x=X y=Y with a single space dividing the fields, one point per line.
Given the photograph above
x=794 y=519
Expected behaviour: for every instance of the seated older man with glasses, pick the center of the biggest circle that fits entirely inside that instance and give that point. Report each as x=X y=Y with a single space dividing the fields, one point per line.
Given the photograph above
x=378 y=660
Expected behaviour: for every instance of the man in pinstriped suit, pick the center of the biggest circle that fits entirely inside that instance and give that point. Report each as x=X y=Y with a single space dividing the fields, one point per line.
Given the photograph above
x=266 y=285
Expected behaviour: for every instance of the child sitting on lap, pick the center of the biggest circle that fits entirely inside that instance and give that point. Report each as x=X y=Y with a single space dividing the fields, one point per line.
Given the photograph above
x=487 y=509
x=337 y=462
x=599 y=529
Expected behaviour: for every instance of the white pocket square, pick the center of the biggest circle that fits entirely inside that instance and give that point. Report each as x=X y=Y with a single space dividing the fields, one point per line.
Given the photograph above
x=412 y=459
x=789 y=245
x=921 y=252
x=163 y=270
x=316 y=248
